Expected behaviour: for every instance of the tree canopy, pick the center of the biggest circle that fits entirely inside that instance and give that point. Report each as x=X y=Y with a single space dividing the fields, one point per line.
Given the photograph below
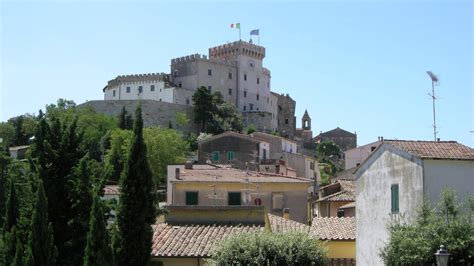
x=294 y=248
x=415 y=243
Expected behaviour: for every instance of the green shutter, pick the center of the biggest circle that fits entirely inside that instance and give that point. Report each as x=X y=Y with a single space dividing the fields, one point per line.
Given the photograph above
x=230 y=155
x=395 y=198
x=192 y=198
x=234 y=198
x=215 y=156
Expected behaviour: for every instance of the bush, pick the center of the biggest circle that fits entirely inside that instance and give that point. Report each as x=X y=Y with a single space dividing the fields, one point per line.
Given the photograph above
x=269 y=249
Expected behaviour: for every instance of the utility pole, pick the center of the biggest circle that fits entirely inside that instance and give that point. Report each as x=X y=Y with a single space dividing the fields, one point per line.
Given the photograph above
x=434 y=80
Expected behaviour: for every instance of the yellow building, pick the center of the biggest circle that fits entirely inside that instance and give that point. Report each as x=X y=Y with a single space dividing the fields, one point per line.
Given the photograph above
x=210 y=185
x=339 y=234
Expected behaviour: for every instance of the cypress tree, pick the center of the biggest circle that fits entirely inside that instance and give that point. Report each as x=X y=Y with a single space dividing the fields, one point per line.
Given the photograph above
x=4 y=161
x=125 y=120
x=9 y=227
x=136 y=211
x=19 y=254
x=41 y=250
x=81 y=201
x=98 y=251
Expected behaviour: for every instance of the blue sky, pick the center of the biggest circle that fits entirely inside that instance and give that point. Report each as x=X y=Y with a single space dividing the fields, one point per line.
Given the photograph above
x=359 y=65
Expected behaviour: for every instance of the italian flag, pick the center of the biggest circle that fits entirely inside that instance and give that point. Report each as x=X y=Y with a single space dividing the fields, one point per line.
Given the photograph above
x=235 y=26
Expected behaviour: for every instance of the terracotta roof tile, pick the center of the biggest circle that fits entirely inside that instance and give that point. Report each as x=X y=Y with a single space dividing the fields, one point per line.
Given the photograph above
x=339 y=196
x=334 y=228
x=193 y=240
x=348 y=205
x=435 y=149
x=282 y=225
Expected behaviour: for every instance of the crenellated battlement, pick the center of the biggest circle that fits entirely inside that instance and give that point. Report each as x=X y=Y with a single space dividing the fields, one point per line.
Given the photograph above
x=138 y=78
x=200 y=57
x=230 y=50
x=266 y=72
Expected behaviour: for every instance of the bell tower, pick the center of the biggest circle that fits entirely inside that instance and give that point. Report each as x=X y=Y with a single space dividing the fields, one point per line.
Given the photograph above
x=306 y=121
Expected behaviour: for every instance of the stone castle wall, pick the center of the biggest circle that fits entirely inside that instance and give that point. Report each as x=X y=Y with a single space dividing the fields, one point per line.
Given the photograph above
x=261 y=120
x=154 y=113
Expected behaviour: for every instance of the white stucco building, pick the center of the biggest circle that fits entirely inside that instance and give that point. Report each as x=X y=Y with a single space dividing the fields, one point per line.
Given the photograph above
x=394 y=179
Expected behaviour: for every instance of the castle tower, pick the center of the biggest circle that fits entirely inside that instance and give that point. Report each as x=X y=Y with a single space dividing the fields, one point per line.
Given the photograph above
x=306 y=121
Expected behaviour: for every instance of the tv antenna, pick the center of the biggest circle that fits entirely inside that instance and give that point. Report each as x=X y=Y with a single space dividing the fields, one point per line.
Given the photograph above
x=434 y=80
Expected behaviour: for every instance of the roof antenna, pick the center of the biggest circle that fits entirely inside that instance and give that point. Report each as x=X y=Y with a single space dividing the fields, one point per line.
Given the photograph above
x=434 y=80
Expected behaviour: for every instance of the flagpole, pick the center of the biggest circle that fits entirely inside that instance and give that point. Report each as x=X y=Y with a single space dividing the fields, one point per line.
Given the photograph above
x=240 y=38
x=259 y=38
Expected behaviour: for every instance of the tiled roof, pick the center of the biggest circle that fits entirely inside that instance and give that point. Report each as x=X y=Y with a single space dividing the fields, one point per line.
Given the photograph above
x=345 y=175
x=334 y=228
x=435 y=149
x=193 y=240
x=339 y=196
x=282 y=225
x=347 y=185
x=233 y=175
x=348 y=205
x=111 y=190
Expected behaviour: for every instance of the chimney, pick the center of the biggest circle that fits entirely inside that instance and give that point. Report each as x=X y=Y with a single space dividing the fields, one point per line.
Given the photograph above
x=381 y=138
x=439 y=139
x=286 y=213
x=176 y=173
x=188 y=165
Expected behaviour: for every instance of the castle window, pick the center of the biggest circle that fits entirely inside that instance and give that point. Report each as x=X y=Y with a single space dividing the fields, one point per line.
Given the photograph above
x=245 y=77
x=209 y=88
x=230 y=75
x=230 y=91
x=258 y=80
x=251 y=106
x=286 y=121
x=268 y=100
x=140 y=89
x=187 y=101
x=176 y=73
x=152 y=88
x=209 y=72
x=128 y=89
x=113 y=92
x=258 y=97
x=245 y=107
x=180 y=85
x=245 y=94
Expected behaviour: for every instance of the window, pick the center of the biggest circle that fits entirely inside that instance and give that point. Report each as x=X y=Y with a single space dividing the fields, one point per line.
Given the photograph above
x=215 y=156
x=209 y=88
x=230 y=155
x=230 y=91
x=128 y=89
x=179 y=85
x=192 y=198
x=395 y=206
x=277 y=201
x=152 y=88
x=268 y=100
x=245 y=108
x=230 y=75
x=234 y=198
x=245 y=77
x=258 y=80
x=311 y=165
x=258 y=97
x=209 y=72
x=251 y=106
x=187 y=101
x=176 y=73
x=340 y=213
x=140 y=89
x=113 y=92
x=245 y=94
x=286 y=121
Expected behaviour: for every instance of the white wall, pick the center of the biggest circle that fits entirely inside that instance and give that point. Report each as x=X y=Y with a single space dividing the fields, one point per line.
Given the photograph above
x=455 y=174
x=159 y=94
x=264 y=146
x=385 y=167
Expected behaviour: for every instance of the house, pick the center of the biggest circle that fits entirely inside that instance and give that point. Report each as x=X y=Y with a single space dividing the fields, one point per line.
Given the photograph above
x=334 y=199
x=344 y=139
x=278 y=144
x=210 y=185
x=339 y=234
x=189 y=233
x=233 y=147
x=394 y=179
x=355 y=156
x=18 y=152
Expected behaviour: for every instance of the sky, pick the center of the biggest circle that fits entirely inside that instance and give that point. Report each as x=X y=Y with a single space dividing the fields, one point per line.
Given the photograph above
x=357 y=65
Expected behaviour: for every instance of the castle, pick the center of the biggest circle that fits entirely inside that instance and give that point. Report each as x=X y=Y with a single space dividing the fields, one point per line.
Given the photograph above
x=235 y=70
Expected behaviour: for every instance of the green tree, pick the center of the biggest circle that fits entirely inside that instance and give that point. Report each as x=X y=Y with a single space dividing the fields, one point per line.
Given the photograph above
x=251 y=129
x=10 y=234
x=23 y=127
x=294 y=248
x=415 y=243
x=7 y=134
x=326 y=149
x=224 y=116
x=125 y=120
x=41 y=250
x=4 y=162
x=182 y=119
x=85 y=174
x=203 y=107
x=136 y=211
x=98 y=251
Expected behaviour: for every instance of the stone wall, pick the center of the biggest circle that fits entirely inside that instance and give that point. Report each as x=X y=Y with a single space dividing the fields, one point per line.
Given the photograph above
x=286 y=115
x=261 y=120
x=155 y=113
